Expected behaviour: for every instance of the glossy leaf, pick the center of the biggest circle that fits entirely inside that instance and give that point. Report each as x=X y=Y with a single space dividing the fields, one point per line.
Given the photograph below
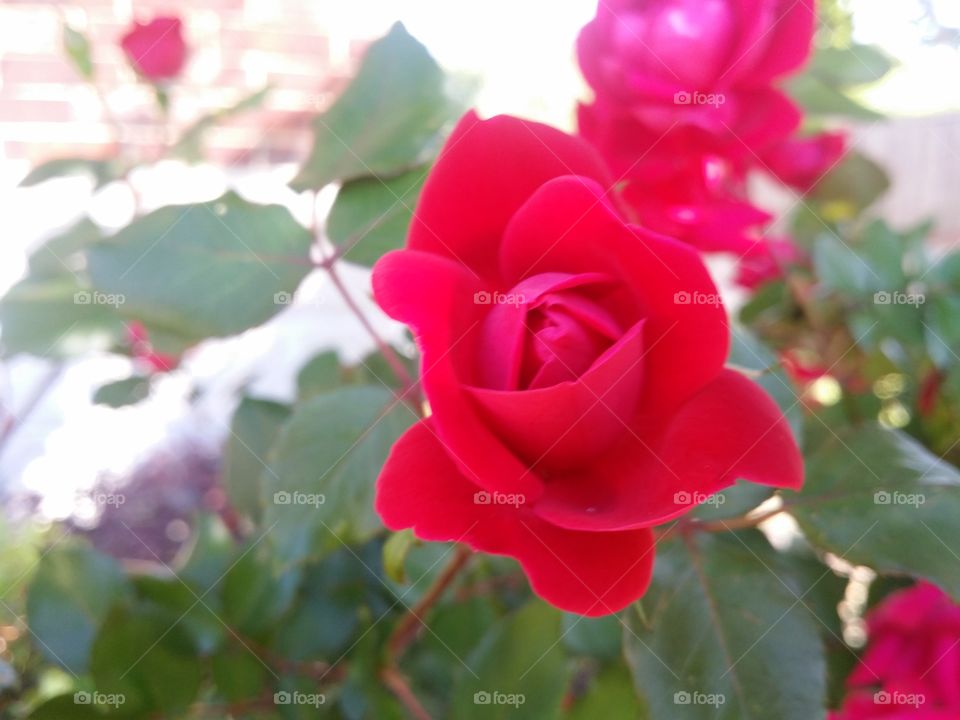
x=253 y=430
x=725 y=638
x=878 y=498
x=388 y=119
x=371 y=216
x=68 y=599
x=190 y=272
x=517 y=671
x=320 y=483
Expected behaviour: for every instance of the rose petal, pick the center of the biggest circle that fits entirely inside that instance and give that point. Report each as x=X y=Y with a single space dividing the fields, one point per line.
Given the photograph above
x=730 y=430
x=591 y=574
x=486 y=171
x=435 y=297
x=564 y=425
x=568 y=225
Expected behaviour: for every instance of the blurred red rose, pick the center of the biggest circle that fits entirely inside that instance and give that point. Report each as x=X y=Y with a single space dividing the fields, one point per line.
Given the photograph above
x=574 y=366
x=766 y=261
x=803 y=162
x=703 y=63
x=686 y=105
x=156 y=49
x=911 y=667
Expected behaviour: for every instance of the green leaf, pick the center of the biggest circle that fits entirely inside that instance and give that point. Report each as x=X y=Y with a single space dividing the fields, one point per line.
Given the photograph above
x=77 y=48
x=852 y=186
x=610 y=695
x=256 y=593
x=517 y=671
x=66 y=707
x=57 y=317
x=68 y=599
x=149 y=658
x=321 y=374
x=121 y=393
x=878 y=498
x=211 y=552
x=597 y=637
x=63 y=253
x=191 y=272
x=850 y=66
x=817 y=97
x=841 y=268
x=324 y=466
x=253 y=430
x=190 y=144
x=942 y=329
x=193 y=608
x=52 y=311
x=238 y=674
x=388 y=119
x=100 y=171
x=722 y=627
x=371 y=216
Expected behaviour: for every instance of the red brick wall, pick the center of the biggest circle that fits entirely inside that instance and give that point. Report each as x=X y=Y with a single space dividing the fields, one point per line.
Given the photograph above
x=47 y=110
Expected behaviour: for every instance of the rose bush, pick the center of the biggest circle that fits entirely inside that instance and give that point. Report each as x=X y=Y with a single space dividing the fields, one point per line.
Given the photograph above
x=911 y=668
x=156 y=49
x=574 y=366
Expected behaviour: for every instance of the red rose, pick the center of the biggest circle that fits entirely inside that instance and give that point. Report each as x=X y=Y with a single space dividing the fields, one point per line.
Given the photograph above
x=686 y=106
x=803 y=162
x=911 y=667
x=702 y=63
x=574 y=366
x=766 y=261
x=156 y=49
